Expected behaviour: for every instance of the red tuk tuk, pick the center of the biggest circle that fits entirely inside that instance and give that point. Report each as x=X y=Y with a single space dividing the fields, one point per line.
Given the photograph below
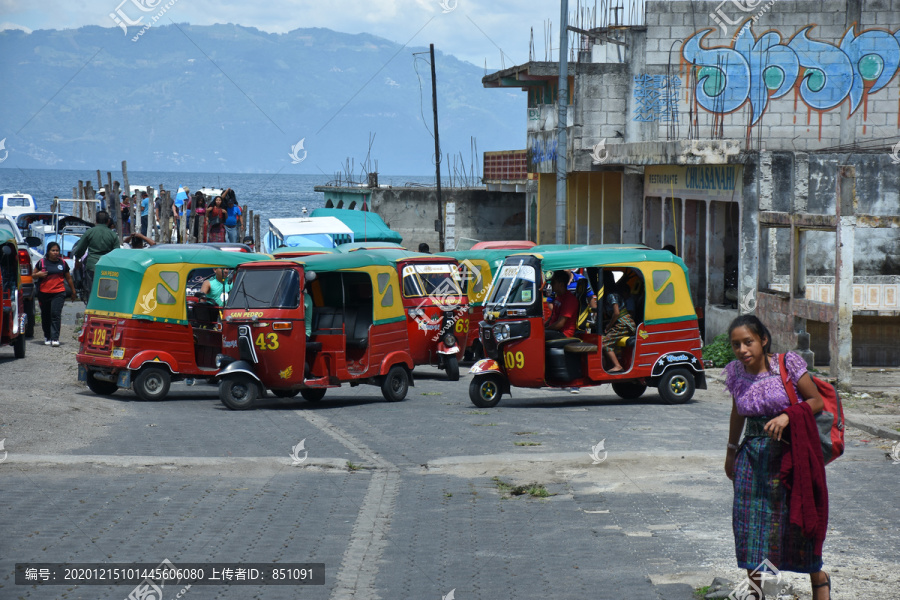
x=358 y=331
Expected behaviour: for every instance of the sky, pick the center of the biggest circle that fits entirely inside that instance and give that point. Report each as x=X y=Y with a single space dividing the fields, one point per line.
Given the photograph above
x=496 y=31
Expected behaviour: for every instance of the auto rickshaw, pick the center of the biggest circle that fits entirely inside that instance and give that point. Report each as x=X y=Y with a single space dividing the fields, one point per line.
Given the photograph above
x=477 y=269
x=13 y=319
x=664 y=351
x=431 y=290
x=147 y=324
x=358 y=329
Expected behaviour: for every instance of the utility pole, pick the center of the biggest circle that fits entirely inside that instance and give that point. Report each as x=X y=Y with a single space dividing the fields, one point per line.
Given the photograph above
x=561 y=143
x=437 y=156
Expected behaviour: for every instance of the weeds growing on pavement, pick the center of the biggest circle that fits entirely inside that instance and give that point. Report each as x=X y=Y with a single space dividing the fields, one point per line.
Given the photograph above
x=535 y=490
x=478 y=412
x=524 y=432
x=527 y=443
x=353 y=466
x=484 y=424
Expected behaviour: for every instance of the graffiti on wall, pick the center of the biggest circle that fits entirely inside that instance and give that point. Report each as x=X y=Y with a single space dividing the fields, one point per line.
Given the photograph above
x=656 y=98
x=543 y=151
x=760 y=69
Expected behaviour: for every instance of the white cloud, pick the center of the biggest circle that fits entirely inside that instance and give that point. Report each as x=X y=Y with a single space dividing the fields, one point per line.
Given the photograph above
x=7 y=25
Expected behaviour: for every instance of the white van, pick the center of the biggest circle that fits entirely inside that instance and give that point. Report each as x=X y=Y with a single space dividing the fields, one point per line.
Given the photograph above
x=16 y=204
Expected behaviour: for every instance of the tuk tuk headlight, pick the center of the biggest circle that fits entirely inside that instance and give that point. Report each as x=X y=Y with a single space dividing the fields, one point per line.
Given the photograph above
x=449 y=340
x=220 y=358
x=501 y=332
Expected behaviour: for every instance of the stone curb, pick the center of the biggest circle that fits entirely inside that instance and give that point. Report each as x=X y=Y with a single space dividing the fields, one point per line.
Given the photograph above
x=873 y=429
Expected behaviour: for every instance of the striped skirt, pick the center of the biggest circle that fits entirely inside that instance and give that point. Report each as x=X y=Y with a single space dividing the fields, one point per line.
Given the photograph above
x=624 y=327
x=761 y=510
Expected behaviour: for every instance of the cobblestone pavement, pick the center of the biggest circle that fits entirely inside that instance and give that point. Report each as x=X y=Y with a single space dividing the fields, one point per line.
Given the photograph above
x=422 y=507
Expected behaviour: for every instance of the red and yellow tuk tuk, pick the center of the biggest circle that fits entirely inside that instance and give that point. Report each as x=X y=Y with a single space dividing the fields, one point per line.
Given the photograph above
x=358 y=330
x=663 y=351
x=13 y=319
x=432 y=295
x=147 y=324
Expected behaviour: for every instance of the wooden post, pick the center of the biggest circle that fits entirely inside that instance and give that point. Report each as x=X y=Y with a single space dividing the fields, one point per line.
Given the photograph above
x=165 y=217
x=75 y=195
x=243 y=223
x=161 y=196
x=79 y=194
x=256 y=232
x=249 y=219
x=117 y=211
x=100 y=183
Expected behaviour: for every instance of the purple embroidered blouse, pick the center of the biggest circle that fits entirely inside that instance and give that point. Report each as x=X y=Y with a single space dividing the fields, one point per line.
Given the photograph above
x=763 y=395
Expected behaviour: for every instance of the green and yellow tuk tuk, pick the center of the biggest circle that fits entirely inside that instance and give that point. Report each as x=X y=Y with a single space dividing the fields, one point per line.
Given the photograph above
x=663 y=351
x=147 y=323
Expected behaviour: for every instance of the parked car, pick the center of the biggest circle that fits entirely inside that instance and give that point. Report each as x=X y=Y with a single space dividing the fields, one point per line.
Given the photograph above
x=25 y=256
x=15 y=204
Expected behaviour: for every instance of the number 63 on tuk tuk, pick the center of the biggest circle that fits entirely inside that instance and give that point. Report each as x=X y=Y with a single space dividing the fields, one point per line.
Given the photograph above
x=649 y=338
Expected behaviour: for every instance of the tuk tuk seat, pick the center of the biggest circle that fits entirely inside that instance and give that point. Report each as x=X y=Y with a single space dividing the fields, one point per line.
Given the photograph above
x=560 y=342
x=357 y=322
x=581 y=348
x=327 y=320
x=202 y=313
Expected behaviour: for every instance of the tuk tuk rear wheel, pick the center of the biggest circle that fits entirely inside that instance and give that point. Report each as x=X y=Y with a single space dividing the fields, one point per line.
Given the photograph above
x=98 y=386
x=313 y=395
x=19 y=346
x=395 y=385
x=451 y=366
x=238 y=392
x=676 y=386
x=629 y=390
x=485 y=391
x=152 y=384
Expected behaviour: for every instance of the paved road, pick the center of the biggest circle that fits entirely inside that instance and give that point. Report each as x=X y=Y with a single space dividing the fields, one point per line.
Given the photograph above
x=94 y=479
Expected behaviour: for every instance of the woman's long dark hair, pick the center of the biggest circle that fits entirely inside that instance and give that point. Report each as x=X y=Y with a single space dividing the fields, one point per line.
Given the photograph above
x=753 y=323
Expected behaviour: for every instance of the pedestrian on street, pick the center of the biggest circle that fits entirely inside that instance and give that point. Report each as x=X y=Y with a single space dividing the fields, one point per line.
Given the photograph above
x=780 y=510
x=98 y=240
x=233 y=222
x=52 y=275
x=145 y=212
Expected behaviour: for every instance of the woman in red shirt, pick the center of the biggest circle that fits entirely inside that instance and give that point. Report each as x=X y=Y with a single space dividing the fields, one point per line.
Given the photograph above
x=215 y=219
x=52 y=275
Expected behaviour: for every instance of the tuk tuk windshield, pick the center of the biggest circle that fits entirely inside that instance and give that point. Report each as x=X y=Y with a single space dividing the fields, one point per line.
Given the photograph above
x=514 y=284
x=265 y=288
x=427 y=280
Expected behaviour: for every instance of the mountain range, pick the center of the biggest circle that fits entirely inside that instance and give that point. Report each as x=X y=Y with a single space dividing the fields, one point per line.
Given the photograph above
x=228 y=98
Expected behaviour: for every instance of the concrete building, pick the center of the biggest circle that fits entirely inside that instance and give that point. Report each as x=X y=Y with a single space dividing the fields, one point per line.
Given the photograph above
x=763 y=143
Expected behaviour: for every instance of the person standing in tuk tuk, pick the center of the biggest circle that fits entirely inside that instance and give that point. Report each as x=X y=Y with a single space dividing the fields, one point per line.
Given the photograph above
x=218 y=287
x=52 y=274
x=564 y=317
x=98 y=240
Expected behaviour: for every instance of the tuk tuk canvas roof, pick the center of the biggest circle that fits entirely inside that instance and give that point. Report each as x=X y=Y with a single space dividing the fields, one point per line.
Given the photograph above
x=366 y=226
x=130 y=268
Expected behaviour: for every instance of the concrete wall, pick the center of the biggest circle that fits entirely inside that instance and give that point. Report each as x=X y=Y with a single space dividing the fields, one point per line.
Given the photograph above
x=477 y=214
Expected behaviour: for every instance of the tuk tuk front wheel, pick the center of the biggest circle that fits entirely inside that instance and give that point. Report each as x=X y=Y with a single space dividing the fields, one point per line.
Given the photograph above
x=98 y=386
x=313 y=395
x=676 y=386
x=152 y=384
x=238 y=392
x=19 y=346
x=629 y=390
x=451 y=366
x=395 y=385
x=485 y=391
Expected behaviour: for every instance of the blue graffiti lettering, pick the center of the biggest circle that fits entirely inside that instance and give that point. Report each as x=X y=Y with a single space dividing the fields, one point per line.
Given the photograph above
x=755 y=70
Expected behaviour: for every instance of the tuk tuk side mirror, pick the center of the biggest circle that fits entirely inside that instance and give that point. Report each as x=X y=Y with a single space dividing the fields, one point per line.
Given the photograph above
x=32 y=241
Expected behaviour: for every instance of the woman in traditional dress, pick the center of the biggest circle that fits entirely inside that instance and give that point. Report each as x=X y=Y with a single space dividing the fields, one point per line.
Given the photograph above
x=768 y=538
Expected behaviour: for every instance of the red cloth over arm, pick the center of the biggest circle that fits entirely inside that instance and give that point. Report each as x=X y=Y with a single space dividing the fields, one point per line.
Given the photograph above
x=803 y=475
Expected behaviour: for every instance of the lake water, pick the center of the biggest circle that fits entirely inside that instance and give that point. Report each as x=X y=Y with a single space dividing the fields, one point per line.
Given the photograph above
x=270 y=196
